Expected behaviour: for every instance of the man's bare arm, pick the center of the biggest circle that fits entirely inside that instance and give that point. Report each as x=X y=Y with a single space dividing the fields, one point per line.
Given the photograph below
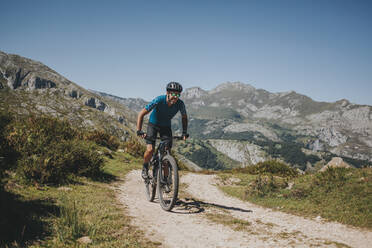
x=141 y=114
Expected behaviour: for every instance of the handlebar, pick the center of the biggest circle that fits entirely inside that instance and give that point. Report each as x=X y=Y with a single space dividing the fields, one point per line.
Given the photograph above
x=176 y=137
x=144 y=135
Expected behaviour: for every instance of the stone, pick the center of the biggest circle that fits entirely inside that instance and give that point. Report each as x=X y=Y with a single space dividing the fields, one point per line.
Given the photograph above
x=336 y=162
x=66 y=189
x=84 y=240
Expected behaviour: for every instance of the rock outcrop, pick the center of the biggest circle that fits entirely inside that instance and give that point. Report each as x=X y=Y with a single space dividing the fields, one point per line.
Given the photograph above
x=244 y=152
x=340 y=127
x=336 y=162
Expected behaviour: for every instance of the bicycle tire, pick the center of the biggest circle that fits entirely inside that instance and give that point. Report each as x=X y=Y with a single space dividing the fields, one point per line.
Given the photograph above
x=150 y=184
x=168 y=196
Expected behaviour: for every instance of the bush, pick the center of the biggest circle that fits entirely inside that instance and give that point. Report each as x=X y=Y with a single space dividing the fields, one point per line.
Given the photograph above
x=49 y=153
x=33 y=135
x=58 y=163
x=104 y=139
x=134 y=148
x=272 y=167
x=7 y=154
x=265 y=185
x=332 y=178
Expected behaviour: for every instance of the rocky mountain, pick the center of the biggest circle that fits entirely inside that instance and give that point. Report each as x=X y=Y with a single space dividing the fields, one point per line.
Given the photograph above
x=232 y=125
x=135 y=104
x=250 y=125
x=238 y=111
x=28 y=86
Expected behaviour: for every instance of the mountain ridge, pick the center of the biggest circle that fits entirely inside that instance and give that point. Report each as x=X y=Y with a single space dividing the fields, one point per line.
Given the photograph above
x=340 y=127
x=281 y=124
x=28 y=86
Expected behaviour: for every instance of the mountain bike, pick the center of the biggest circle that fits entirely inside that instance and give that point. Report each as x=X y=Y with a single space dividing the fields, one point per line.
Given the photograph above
x=163 y=176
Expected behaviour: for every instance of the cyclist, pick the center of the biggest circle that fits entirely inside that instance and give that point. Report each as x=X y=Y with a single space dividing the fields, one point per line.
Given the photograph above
x=163 y=108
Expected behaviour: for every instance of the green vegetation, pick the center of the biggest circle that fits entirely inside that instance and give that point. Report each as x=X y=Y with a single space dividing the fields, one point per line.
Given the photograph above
x=134 y=148
x=50 y=151
x=338 y=194
x=47 y=153
x=273 y=167
x=289 y=149
x=48 y=216
x=6 y=152
x=356 y=162
x=103 y=139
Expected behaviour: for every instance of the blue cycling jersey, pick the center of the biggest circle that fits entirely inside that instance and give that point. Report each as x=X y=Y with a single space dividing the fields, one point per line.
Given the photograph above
x=162 y=113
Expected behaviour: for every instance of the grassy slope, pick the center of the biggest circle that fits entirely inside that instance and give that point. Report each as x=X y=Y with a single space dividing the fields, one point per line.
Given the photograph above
x=340 y=195
x=45 y=216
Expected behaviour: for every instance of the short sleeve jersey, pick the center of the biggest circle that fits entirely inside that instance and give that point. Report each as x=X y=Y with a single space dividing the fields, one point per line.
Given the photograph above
x=162 y=114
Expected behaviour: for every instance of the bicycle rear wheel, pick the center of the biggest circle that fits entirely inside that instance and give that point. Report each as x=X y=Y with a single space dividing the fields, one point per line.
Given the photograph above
x=150 y=184
x=167 y=182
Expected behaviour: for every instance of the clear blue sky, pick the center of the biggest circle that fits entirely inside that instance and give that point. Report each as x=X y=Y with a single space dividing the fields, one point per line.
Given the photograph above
x=320 y=48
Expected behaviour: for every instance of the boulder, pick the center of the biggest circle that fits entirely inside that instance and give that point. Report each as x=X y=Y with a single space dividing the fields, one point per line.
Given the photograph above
x=336 y=162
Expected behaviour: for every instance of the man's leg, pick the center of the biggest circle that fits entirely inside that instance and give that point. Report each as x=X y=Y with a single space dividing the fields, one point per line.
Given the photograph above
x=146 y=159
x=152 y=132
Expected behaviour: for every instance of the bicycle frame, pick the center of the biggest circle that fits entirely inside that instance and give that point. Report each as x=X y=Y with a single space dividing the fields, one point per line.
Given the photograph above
x=164 y=178
x=161 y=150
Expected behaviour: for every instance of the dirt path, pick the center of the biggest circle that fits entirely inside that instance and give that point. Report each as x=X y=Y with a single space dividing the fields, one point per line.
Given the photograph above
x=209 y=218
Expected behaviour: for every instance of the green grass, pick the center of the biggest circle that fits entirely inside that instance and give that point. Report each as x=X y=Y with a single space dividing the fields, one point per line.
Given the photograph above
x=342 y=195
x=47 y=216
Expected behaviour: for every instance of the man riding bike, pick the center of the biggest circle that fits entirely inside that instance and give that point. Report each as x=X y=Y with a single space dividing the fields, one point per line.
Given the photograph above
x=163 y=108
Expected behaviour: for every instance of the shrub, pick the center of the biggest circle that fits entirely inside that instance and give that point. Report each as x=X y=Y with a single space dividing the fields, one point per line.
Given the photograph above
x=272 y=167
x=331 y=178
x=49 y=152
x=32 y=135
x=300 y=190
x=57 y=163
x=104 y=139
x=265 y=185
x=134 y=148
x=7 y=154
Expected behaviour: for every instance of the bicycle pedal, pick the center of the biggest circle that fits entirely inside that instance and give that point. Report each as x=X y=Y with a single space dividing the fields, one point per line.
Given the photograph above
x=167 y=188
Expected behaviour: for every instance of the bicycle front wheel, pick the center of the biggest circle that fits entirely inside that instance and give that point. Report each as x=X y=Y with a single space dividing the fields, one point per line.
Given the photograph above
x=168 y=182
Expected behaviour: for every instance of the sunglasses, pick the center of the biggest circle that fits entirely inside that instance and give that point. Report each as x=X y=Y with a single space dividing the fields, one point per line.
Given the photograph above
x=175 y=94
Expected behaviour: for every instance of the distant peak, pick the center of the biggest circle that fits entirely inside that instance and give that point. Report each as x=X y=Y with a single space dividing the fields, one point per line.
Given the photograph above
x=193 y=92
x=233 y=86
x=285 y=93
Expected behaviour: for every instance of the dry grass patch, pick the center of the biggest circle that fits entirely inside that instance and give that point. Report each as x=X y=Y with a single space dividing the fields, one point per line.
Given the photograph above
x=228 y=220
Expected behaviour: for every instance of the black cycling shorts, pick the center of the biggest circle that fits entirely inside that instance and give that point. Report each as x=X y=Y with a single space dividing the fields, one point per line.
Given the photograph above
x=152 y=133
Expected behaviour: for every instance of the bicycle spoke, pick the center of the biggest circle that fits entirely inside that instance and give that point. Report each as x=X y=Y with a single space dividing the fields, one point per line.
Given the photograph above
x=168 y=183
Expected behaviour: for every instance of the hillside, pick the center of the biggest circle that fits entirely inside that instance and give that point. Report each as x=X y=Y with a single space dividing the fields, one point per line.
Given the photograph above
x=342 y=128
x=234 y=124
x=68 y=179
x=287 y=125
x=28 y=86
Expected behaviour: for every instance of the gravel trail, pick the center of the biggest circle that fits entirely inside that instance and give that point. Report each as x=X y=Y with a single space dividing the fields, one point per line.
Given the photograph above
x=199 y=220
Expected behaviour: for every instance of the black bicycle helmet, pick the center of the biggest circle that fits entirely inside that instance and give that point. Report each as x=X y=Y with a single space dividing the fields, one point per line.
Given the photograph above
x=174 y=86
